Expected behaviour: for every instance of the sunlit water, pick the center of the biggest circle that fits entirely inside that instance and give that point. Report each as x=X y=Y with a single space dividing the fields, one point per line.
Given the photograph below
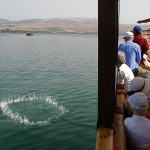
x=48 y=92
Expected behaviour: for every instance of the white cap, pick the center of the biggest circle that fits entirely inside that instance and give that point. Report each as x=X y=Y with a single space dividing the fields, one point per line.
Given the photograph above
x=128 y=34
x=138 y=101
x=141 y=85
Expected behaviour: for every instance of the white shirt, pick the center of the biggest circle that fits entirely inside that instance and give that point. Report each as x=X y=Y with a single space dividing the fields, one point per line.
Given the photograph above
x=124 y=76
x=138 y=132
x=146 y=62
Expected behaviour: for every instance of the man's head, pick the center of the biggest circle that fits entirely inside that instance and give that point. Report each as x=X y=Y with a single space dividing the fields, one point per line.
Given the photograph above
x=121 y=57
x=128 y=36
x=137 y=30
x=138 y=103
x=139 y=84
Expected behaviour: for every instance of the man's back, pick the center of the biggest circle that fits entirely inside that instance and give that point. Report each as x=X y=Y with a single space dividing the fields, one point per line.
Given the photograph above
x=139 y=39
x=138 y=132
x=124 y=76
x=142 y=42
x=132 y=53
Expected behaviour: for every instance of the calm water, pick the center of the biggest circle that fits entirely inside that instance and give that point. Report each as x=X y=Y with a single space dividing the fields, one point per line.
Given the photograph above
x=48 y=92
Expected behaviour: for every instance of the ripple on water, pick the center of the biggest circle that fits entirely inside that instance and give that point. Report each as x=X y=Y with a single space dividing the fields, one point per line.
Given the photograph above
x=34 y=111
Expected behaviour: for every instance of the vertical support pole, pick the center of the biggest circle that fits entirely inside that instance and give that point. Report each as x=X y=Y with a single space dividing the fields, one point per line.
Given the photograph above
x=107 y=54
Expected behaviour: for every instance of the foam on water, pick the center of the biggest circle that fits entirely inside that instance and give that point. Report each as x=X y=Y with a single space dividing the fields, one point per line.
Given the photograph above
x=5 y=107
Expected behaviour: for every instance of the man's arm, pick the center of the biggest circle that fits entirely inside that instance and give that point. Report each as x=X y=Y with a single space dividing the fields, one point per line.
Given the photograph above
x=120 y=79
x=138 y=53
x=120 y=86
x=147 y=50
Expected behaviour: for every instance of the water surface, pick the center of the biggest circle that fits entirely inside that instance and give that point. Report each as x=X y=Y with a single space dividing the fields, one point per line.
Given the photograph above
x=48 y=92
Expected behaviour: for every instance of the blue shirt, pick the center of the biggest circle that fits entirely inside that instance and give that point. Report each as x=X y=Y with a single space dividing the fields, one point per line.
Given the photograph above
x=132 y=53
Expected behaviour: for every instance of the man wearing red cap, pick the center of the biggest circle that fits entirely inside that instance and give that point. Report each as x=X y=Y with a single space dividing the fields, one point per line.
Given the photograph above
x=137 y=31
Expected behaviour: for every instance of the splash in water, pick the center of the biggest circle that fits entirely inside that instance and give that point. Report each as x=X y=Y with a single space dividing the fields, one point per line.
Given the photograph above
x=38 y=111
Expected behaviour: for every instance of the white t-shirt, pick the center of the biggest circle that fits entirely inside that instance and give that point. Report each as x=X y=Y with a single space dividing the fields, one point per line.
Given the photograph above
x=124 y=76
x=138 y=132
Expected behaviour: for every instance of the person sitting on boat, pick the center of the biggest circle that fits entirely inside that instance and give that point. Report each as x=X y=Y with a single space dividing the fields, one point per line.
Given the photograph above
x=148 y=75
x=137 y=127
x=124 y=73
x=143 y=43
x=139 y=84
x=132 y=52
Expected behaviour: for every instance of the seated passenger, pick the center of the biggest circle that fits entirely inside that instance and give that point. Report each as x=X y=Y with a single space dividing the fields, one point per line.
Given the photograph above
x=124 y=73
x=138 y=126
x=139 y=84
x=148 y=75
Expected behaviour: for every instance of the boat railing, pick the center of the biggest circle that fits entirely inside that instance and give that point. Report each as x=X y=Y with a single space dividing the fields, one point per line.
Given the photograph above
x=119 y=116
x=114 y=139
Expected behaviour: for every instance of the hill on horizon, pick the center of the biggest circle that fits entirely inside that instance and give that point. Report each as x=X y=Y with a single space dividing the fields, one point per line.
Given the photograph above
x=59 y=25
x=51 y=25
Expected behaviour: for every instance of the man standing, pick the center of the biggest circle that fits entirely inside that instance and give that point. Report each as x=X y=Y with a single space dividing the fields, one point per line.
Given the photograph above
x=142 y=42
x=132 y=52
x=137 y=31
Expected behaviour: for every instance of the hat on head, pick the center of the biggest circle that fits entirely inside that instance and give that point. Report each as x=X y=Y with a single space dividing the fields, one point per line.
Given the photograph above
x=137 y=28
x=140 y=84
x=138 y=101
x=128 y=34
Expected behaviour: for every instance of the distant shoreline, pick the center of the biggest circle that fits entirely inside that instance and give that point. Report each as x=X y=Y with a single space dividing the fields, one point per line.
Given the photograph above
x=55 y=25
x=88 y=33
x=59 y=26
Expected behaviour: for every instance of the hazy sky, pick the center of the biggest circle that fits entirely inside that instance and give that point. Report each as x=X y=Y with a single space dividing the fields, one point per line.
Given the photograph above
x=130 y=10
x=133 y=10
x=45 y=9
